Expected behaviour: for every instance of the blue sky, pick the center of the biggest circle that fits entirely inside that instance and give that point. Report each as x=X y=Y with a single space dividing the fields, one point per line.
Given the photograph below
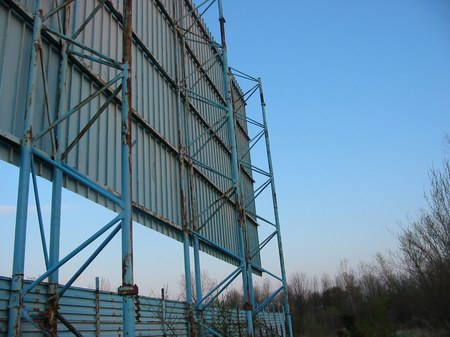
x=359 y=106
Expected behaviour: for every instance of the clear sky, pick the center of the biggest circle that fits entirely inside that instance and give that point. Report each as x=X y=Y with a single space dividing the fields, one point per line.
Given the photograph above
x=359 y=104
x=358 y=96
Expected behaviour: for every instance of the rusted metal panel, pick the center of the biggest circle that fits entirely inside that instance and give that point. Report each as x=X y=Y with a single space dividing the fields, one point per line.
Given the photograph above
x=78 y=306
x=155 y=156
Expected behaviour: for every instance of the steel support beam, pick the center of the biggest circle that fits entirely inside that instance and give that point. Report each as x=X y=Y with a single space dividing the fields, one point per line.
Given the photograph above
x=276 y=214
x=184 y=172
x=189 y=167
x=240 y=215
x=55 y=220
x=16 y=299
x=128 y=289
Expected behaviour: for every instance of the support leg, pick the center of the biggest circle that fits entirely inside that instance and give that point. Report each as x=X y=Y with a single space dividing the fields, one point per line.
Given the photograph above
x=16 y=300
x=128 y=290
x=240 y=216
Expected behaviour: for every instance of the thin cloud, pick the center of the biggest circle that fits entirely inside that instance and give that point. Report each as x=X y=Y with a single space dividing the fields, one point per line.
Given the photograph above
x=7 y=209
x=46 y=208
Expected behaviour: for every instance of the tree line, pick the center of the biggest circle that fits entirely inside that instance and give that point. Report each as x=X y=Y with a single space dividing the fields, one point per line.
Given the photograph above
x=406 y=293
x=402 y=294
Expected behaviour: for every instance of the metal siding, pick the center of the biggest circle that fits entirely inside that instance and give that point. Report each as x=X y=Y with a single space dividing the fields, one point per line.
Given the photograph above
x=78 y=305
x=156 y=182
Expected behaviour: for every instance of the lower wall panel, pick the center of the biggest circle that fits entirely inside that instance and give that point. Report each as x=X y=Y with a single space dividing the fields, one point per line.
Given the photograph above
x=100 y=314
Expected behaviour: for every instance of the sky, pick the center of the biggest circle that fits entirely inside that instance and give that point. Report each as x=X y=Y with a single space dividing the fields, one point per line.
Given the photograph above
x=358 y=104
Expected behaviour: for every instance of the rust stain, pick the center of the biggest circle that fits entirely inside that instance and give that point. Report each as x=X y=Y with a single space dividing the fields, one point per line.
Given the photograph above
x=137 y=309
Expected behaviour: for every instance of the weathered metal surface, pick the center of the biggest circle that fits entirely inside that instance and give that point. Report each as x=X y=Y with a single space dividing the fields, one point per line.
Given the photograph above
x=94 y=313
x=155 y=154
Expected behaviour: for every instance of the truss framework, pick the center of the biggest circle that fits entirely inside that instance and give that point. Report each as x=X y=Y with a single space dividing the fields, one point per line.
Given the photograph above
x=118 y=88
x=193 y=226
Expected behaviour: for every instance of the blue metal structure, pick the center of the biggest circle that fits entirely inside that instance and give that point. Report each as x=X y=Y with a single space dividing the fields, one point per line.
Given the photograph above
x=28 y=154
x=243 y=204
x=95 y=312
x=196 y=124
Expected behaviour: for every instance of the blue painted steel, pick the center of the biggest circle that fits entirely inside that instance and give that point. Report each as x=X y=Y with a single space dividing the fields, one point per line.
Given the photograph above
x=157 y=205
x=89 y=260
x=251 y=294
x=69 y=256
x=187 y=267
x=78 y=106
x=197 y=272
x=112 y=62
x=212 y=331
x=211 y=216
x=16 y=299
x=218 y=289
x=247 y=288
x=268 y=300
x=88 y=19
x=209 y=168
x=56 y=9
x=39 y=214
x=77 y=176
x=127 y=289
x=194 y=95
x=263 y=244
x=276 y=214
x=239 y=73
x=214 y=128
x=197 y=117
x=184 y=177
x=222 y=250
x=94 y=59
x=78 y=305
x=55 y=220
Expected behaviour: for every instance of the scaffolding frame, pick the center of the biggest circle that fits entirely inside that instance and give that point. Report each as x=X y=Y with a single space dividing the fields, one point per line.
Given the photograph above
x=118 y=89
x=28 y=154
x=192 y=228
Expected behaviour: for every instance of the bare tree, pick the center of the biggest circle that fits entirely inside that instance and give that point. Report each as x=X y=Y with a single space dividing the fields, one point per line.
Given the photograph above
x=263 y=290
x=105 y=284
x=425 y=245
x=346 y=280
x=206 y=281
x=232 y=298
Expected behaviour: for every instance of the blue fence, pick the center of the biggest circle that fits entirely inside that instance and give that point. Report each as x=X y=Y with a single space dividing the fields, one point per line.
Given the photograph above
x=99 y=313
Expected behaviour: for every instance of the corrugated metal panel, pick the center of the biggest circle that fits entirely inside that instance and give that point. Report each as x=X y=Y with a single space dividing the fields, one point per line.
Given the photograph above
x=79 y=306
x=271 y=323
x=156 y=166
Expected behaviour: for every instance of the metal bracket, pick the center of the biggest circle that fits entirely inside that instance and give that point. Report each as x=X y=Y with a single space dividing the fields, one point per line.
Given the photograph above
x=128 y=290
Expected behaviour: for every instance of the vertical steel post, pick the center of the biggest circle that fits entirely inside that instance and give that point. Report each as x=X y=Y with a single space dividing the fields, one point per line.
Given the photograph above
x=240 y=214
x=163 y=315
x=55 y=220
x=184 y=172
x=275 y=209
x=128 y=290
x=251 y=290
x=198 y=284
x=197 y=270
x=97 y=307
x=181 y=148
x=16 y=299
x=187 y=265
x=189 y=173
x=196 y=247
